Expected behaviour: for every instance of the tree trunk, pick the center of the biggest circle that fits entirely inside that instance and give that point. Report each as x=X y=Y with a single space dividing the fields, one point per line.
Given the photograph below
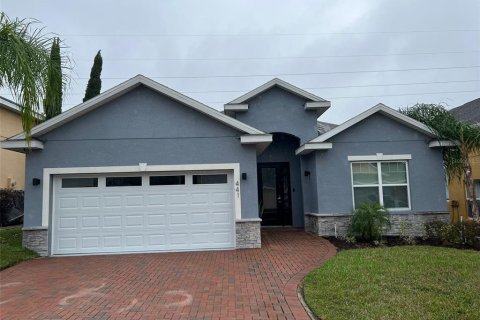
x=469 y=184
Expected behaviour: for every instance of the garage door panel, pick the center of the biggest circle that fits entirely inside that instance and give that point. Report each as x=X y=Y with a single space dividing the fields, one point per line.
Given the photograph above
x=156 y=220
x=135 y=201
x=112 y=201
x=68 y=203
x=112 y=221
x=156 y=200
x=143 y=218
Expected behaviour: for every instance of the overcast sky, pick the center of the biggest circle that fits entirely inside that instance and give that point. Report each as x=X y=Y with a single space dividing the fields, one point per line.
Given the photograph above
x=214 y=51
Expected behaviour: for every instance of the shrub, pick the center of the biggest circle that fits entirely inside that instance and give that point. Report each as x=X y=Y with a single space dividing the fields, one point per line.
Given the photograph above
x=460 y=233
x=369 y=222
x=11 y=206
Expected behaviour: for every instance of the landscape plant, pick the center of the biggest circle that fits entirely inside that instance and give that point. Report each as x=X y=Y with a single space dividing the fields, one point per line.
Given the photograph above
x=369 y=222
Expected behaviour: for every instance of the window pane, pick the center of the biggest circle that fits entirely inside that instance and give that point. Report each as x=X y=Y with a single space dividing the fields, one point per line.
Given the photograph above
x=394 y=172
x=395 y=197
x=364 y=173
x=166 y=180
x=209 y=178
x=123 y=181
x=269 y=188
x=79 y=182
x=365 y=195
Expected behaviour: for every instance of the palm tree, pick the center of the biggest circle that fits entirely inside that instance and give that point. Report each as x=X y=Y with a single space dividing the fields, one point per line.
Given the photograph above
x=24 y=65
x=465 y=138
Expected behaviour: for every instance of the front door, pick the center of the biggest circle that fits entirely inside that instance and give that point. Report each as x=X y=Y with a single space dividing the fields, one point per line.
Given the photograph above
x=274 y=194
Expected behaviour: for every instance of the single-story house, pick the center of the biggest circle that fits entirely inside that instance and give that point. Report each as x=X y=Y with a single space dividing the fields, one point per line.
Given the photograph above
x=143 y=168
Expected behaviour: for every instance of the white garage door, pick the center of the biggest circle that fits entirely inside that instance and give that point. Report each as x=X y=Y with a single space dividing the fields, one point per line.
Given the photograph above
x=143 y=212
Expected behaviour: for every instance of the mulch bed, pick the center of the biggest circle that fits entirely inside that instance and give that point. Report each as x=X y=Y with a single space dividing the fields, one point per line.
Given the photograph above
x=390 y=241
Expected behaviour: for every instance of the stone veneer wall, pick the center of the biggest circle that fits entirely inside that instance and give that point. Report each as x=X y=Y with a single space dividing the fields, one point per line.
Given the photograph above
x=248 y=233
x=36 y=239
x=412 y=223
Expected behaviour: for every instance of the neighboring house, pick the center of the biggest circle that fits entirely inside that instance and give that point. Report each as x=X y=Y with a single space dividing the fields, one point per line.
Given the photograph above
x=458 y=205
x=12 y=164
x=143 y=168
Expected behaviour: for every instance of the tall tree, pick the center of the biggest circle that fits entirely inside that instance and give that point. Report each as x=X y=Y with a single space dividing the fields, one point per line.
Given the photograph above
x=94 y=83
x=52 y=104
x=24 y=62
x=464 y=136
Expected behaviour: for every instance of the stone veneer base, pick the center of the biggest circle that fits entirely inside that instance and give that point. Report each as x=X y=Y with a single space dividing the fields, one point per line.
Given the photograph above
x=338 y=224
x=36 y=239
x=248 y=233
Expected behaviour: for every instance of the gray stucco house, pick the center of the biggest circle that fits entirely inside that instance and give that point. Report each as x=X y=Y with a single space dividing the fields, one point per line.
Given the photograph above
x=142 y=168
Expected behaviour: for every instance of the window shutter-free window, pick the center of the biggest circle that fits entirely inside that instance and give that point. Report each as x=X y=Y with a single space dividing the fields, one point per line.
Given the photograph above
x=383 y=182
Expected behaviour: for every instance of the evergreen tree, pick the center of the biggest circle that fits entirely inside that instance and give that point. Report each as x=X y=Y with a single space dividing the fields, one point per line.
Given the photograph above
x=94 y=83
x=52 y=104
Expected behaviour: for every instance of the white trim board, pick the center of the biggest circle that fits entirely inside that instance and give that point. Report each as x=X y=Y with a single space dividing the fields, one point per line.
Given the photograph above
x=442 y=143
x=279 y=83
x=256 y=138
x=142 y=167
x=21 y=145
x=395 y=115
x=124 y=87
x=380 y=157
x=9 y=105
x=309 y=147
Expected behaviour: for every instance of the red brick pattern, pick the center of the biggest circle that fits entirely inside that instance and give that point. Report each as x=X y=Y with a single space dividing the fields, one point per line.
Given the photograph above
x=237 y=284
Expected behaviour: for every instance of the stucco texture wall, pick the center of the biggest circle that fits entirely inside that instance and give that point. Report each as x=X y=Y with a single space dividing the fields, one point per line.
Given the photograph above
x=12 y=164
x=141 y=126
x=379 y=134
x=277 y=110
x=457 y=192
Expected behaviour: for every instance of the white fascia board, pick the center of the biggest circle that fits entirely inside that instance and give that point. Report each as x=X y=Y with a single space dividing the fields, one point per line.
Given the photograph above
x=9 y=105
x=380 y=157
x=392 y=114
x=20 y=145
x=280 y=83
x=314 y=105
x=125 y=87
x=442 y=143
x=256 y=138
x=312 y=146
x=240 y=107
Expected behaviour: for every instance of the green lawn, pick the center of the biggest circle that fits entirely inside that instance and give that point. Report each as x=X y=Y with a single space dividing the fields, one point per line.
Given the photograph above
x=407 y=282
x=11 y=250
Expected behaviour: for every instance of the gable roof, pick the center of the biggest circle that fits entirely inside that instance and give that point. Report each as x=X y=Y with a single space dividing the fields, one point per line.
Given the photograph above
x=277 y=83
x=9 y=105
x=323 y=127
x=468 y=112
x=380 y=108
x=125 y=87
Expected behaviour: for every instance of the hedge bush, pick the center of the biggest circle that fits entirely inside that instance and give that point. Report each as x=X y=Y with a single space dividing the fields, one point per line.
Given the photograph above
x=460 y=233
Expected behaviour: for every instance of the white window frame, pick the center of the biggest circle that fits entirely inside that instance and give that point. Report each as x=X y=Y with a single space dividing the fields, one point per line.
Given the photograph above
x=380 y=184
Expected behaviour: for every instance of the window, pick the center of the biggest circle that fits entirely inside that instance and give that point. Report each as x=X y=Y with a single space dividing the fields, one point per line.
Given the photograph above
x=123 y=181
x=79 y=182
x=209 y=178
x=381 y=182
x=476 y=184
x=166 y=180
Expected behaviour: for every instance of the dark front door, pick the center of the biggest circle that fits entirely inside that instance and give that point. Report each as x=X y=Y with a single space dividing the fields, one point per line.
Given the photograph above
x=274 y=194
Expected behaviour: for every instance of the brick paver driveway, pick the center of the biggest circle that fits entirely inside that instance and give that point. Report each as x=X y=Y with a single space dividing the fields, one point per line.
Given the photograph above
x=236 y=284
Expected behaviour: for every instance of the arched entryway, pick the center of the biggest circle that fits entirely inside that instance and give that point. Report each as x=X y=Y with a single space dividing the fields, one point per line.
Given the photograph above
x=279 y=182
